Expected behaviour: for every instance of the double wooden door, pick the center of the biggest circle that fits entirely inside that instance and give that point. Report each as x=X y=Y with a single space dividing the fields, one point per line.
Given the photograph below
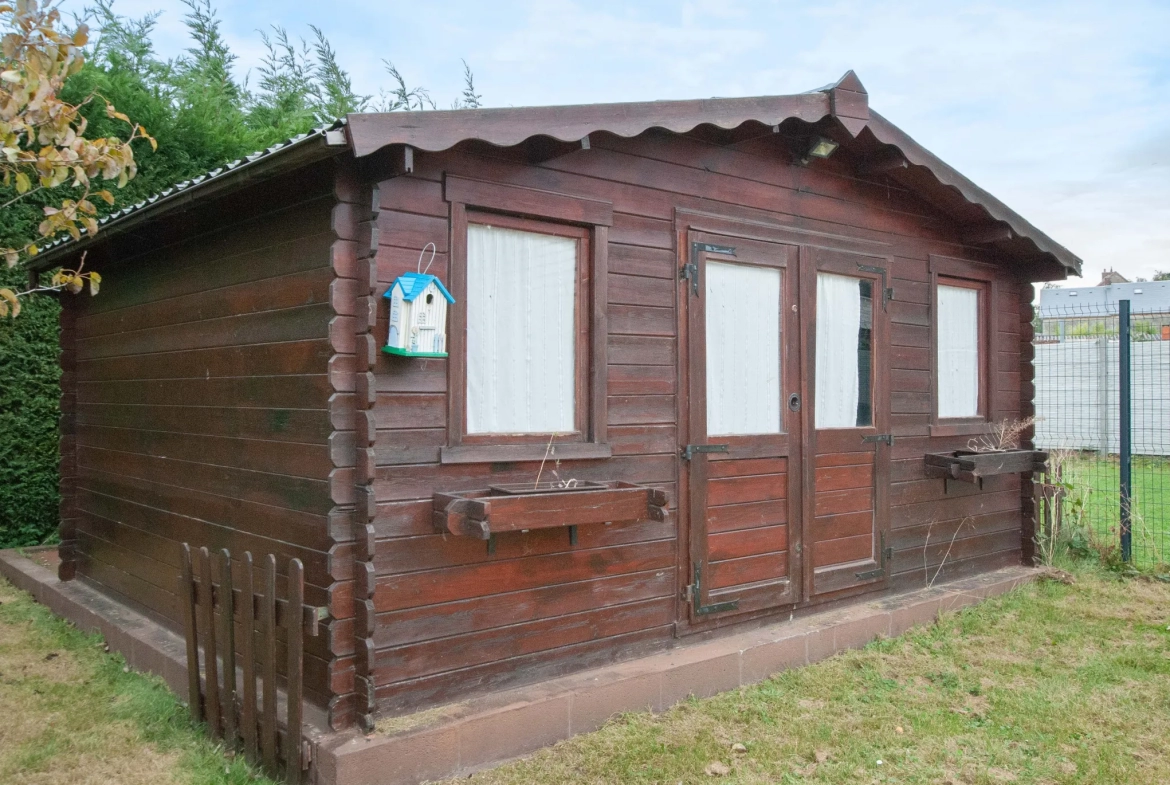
x=783 y=425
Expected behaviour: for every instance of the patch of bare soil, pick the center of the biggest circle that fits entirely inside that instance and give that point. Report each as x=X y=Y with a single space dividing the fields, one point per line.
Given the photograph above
x=53 y=731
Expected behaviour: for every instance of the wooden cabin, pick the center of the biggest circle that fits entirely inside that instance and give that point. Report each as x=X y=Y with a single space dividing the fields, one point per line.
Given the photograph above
x=696 y=361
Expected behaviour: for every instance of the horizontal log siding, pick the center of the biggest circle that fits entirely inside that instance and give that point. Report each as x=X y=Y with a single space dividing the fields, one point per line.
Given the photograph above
x=453 y=619
x=199 y=384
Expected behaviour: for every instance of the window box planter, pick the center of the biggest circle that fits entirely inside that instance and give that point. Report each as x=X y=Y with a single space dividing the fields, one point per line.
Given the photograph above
x=972 y=466
x=522 y=507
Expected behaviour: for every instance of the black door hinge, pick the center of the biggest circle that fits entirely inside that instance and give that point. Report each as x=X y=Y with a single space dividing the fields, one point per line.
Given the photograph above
x=695 y=592
x=888 y=438
x=690 y=450
x=690 y=270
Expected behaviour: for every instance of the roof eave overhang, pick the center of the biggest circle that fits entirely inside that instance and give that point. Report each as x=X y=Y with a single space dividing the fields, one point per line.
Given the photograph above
x=846 y=102
x=315 y=146
x=433 y=131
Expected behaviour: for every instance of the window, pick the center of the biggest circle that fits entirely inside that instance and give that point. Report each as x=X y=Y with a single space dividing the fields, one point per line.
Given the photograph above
x=743 y=349
x=527 y=343
x=521 y=331
x=957 y=358
x=844 y=352
x=963 y=324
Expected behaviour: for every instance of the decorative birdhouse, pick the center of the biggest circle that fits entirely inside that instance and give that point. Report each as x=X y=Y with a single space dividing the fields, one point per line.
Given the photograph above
x=418 y=316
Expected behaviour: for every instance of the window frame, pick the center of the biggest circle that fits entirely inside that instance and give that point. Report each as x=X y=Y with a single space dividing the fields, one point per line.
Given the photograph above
x=542 y=212
x=962 y=273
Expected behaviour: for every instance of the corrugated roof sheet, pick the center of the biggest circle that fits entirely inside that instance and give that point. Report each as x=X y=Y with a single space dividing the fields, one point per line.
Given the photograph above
x=55 y=249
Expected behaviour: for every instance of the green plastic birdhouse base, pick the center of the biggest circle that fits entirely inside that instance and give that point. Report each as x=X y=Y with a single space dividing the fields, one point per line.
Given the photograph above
x=404 y=353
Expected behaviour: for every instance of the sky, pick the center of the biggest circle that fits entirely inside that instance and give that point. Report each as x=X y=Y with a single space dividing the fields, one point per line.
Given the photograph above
x=1060 y=109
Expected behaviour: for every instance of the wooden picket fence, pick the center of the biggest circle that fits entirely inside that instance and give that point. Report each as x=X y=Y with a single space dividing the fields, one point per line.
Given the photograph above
x=240 y=705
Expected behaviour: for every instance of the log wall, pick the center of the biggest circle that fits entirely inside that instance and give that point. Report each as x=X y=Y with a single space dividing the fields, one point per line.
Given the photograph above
x=453 y=619
x=198 y=390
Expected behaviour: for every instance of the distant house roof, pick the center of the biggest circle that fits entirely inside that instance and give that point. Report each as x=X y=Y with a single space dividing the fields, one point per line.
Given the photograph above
x=840 y=110
x=414 y=284
x=1072 y=302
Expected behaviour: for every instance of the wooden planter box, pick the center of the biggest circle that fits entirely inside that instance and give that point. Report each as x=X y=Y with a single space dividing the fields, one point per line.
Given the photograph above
x=970 y=466
x=506 y=508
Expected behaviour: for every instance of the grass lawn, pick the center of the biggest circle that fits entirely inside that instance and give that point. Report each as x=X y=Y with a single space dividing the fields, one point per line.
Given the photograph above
x=1097 y=479
x=1050 y=684
x=72 y=714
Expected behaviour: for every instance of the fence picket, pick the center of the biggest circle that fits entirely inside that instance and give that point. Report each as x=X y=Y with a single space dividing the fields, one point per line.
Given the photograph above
x=227 y=616
x=268 y=717
x=296 y=663
x=247 y=653
x=187 y=593
x=210 y=650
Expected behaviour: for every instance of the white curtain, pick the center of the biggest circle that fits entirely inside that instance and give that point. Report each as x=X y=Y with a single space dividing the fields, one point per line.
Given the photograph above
x=521 y=364
x=838 y=323
x=958 y=351
x=743 y=349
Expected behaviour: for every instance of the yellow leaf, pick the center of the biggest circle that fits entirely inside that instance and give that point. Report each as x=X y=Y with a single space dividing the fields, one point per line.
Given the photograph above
x=22 y=183
x=10 y=297
x=11 y=257
x=95 y=282
x=105 y=196
x=3 y=309
x=31 y=250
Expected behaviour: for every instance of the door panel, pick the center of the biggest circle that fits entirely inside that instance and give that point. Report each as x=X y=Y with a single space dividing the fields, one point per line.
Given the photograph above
x=846 y=346
x=738 y=302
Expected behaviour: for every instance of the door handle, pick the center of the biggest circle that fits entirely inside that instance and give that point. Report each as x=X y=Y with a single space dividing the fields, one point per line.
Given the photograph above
x=794 y=402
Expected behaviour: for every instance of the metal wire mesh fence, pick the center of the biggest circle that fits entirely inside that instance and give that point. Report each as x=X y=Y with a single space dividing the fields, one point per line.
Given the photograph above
x=1103 y=412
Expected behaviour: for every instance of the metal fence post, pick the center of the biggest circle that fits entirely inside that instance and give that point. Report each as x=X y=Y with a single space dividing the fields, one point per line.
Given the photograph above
x=1125 y=426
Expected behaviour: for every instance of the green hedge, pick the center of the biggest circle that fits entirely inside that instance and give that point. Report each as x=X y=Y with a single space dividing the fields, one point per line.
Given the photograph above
x=29 y=411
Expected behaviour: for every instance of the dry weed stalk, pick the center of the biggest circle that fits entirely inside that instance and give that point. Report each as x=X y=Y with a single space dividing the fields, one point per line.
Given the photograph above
x=1005 y=435
x=572 y=482
x=540 y=471
x=925 y=567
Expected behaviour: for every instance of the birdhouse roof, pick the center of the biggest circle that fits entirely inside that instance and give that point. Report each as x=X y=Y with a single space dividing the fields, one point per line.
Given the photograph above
x=414 y=284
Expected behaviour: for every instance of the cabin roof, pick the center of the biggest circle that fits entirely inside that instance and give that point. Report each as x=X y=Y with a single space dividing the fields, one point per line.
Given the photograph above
x=414 y=284
x=840 y=111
